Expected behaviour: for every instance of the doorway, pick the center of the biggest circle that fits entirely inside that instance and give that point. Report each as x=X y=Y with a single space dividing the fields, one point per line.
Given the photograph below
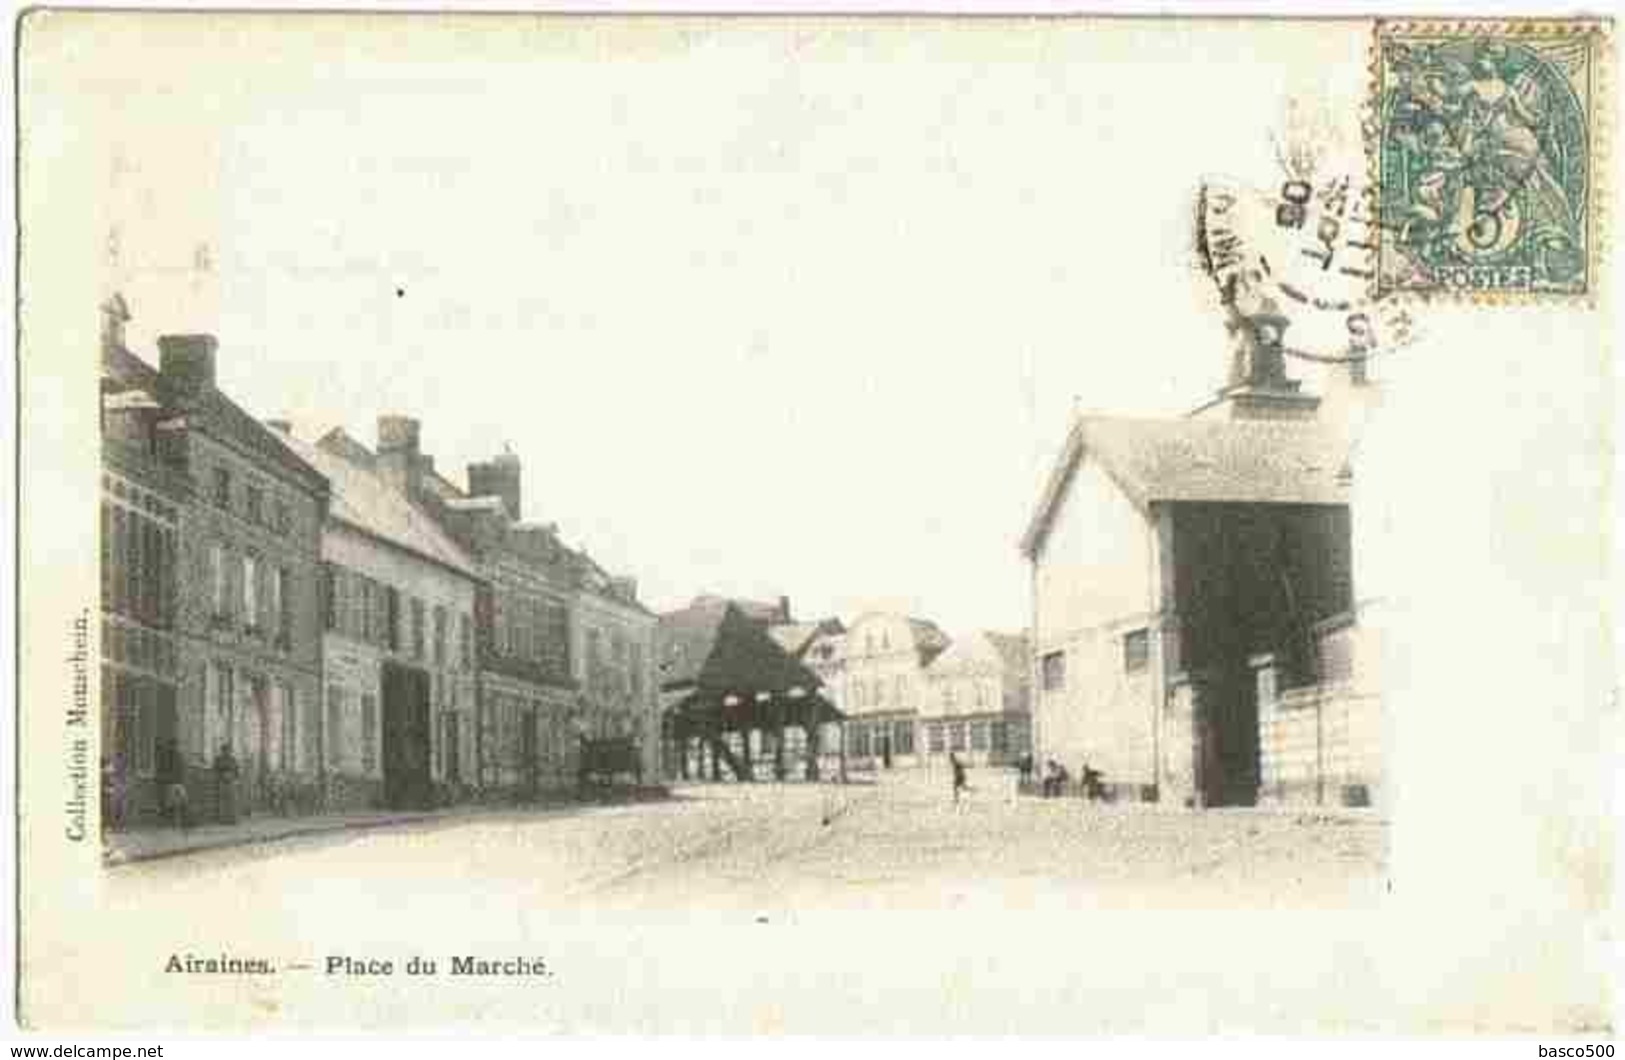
x=451 y=748
x=255 y=766
x=529 y=753
x=407 y=783
x=1229 y=742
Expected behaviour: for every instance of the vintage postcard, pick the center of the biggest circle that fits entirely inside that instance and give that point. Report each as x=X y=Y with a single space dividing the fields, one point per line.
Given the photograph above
x=816 y=525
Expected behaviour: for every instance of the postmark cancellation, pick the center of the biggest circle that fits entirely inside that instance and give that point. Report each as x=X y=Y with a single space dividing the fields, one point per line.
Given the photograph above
x=1488 y=155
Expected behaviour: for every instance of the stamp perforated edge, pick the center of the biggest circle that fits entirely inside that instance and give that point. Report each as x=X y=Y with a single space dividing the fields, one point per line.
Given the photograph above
x=1599 y=130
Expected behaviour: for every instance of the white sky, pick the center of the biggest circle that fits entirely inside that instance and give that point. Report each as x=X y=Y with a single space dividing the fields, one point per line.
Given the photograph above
x=764 y=307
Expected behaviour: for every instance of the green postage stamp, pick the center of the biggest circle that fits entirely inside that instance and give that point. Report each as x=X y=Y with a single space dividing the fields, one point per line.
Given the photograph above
x=1488 y=156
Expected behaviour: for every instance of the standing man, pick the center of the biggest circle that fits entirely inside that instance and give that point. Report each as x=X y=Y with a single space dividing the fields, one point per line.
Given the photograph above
x=959 y=775
x=225 y=779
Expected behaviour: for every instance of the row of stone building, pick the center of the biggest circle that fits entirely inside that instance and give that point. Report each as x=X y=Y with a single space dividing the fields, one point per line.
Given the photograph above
x=357 y=629
x=344 y=625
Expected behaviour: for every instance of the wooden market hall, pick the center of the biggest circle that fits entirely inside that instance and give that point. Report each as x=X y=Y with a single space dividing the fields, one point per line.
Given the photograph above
x=735 y=705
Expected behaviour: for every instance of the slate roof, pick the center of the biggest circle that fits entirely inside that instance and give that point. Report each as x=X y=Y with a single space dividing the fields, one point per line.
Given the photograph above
x=716 y=661
x=214 y=413
x=364 y=501
x=683 y=641
x=714 y=643
x=1187 y=460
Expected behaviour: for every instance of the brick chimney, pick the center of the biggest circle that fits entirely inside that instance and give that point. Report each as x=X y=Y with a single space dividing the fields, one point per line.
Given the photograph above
x=400 y=463
x=186 y=364
x=498 y=477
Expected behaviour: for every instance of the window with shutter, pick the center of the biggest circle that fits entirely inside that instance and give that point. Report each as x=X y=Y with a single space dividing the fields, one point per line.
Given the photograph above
x=392 y=619
x=135 y=582
x=369 y=732
x=250 y=592
x=107 y=556
x=167 y=587
x=211 y=696
x=312 y=752
x=355 y=593
x=284 y=614
x=329 y=601
x=225 y=707
x=217 y=579
x=288 y=713
x=121 y=585
x=380 y=615
x=335 y=726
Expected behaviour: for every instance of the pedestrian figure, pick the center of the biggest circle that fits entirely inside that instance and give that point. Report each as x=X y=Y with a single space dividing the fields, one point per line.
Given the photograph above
x=171 y=776
x=225 y=780
x=1055 y=778
x=1092 y=788
x=959 y=775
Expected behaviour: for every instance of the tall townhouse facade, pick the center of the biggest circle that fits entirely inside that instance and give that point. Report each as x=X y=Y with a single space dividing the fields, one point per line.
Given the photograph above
x=615 y=661
x=145 y=489
x=398 y=608
x=529 y=719
x=246 y=632
x=885 y=660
